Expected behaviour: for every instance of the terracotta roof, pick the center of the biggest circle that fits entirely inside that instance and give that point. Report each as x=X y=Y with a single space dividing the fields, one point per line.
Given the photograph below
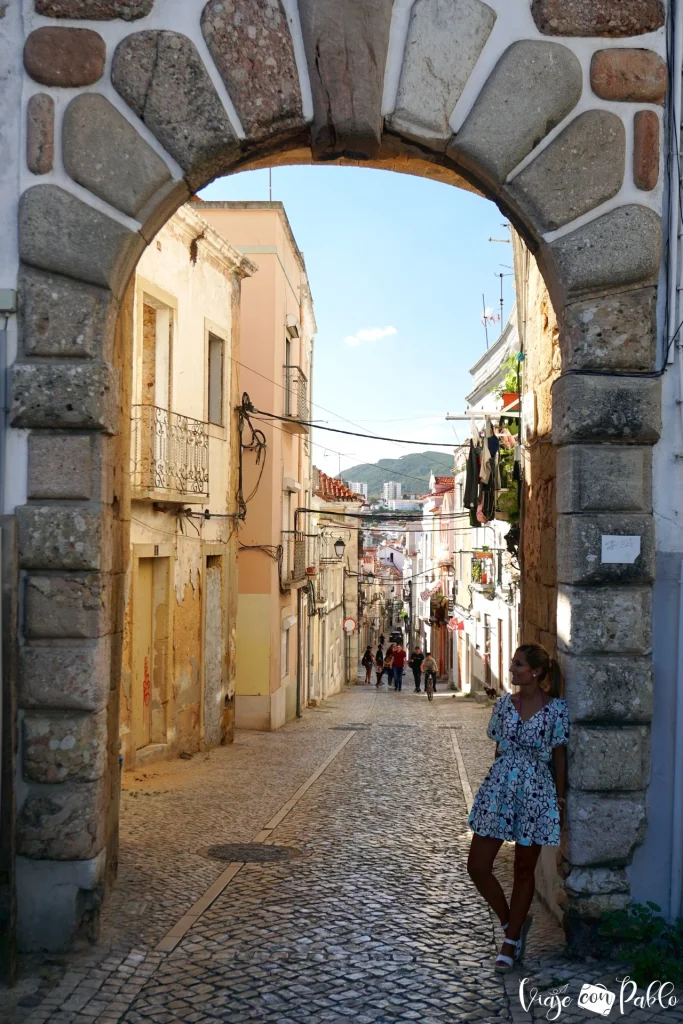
x=442 y=484
x=334 y=490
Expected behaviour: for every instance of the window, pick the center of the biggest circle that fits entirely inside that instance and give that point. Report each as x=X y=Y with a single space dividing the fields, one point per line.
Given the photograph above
x=284 y=655
x=215 y=405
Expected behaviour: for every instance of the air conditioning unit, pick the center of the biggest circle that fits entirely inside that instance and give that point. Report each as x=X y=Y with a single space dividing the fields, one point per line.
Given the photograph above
x=292 y=326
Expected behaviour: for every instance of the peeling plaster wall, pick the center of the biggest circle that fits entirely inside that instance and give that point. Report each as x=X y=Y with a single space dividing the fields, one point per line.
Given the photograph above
x=203 y=295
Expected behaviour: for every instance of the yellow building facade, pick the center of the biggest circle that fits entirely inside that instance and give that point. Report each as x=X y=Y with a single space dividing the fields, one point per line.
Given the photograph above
x=177 y=685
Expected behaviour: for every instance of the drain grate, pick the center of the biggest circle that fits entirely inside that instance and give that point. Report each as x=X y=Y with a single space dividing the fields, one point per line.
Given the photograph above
x=350 y=727
x=256 y=853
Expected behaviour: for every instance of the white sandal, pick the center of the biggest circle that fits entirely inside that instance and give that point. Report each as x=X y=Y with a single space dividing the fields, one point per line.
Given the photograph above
x=504 y=963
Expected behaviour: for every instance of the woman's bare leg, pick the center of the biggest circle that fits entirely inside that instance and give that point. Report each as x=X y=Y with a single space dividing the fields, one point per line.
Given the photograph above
x=526 y=858
x=482 y=854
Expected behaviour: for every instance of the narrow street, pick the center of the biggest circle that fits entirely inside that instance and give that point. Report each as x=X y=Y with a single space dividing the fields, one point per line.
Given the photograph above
x=372 y=918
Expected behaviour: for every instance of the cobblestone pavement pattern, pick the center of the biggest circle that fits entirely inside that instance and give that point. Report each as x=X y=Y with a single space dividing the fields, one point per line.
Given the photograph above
x=373 y=920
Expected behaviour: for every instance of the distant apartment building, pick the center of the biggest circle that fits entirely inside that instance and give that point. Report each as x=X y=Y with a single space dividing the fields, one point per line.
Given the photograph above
x=178 y=668
x=392 y=491
x=358 y=488
x=405 y=505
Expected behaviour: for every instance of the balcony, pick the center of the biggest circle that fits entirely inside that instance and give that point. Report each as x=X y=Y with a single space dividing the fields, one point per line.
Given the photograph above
x=296 y=400
x=169 y=456
x=298 y=555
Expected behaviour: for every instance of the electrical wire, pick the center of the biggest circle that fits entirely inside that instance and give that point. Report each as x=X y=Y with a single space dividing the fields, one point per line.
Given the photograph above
x=316 y=405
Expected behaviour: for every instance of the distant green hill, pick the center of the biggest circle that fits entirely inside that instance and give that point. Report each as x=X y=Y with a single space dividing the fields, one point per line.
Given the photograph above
x=411 y=471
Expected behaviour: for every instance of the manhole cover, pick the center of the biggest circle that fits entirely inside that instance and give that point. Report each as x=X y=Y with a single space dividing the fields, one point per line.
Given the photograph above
x=255 y=852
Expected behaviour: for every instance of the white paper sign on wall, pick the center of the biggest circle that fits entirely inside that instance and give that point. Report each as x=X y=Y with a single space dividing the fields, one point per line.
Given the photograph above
x=623 y=550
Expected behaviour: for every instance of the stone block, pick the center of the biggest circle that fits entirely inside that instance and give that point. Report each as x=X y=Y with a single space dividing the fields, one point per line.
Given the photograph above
x=601 y=478
x=62 y=317
x=94 y=10
x=68 y=606
x=445 y=40
x=346 y=49
x=69 y=537
x=71 y=57
x=533 y=87
x=58 y=902
x=603 y=829
x=61 y=748
x=596 y=881
x=646 y=150
x=161 y=77
x=609 y=18
x=580 y=169
x=579 y=548
x=596 y=906
x=629 y=74
x=621 y=248
x=40 y=133
x=66 y=396
x=103 y=152
x=60 y=466
x=624 y=410
x=65 y=678
x=608 y=689
x=609 y=759
x=252 y=48
x=59 y=233
x=604 y=620
x=65 y=822
x=610 y=332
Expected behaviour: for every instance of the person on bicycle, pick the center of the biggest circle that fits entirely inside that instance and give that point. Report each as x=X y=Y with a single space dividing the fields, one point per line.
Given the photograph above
x=415 y=662
x=430 y=668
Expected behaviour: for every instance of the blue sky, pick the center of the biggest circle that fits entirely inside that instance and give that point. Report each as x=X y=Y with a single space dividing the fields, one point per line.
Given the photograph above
x=397 y=266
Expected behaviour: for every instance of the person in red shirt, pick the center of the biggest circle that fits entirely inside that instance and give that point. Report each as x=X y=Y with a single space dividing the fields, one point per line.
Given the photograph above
x=399 y=665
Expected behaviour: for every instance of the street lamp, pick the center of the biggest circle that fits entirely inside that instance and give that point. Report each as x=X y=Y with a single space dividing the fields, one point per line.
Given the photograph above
x=339 y=548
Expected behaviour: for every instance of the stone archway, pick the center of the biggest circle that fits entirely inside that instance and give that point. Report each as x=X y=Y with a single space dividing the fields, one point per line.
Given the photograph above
x=551 y=111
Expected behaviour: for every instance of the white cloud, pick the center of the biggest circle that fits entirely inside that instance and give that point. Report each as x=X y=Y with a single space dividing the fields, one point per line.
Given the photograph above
x=370 y=334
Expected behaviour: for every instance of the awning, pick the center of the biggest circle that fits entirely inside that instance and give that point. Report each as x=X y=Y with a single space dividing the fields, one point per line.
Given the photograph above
x=456 y=624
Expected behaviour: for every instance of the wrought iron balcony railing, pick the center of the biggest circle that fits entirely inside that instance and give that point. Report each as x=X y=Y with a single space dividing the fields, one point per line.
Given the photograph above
x=296 y=396
x=169 y=454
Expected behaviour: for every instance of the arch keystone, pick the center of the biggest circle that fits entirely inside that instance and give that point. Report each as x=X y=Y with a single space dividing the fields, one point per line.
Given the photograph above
x=103 y=152
x=445 y=39
x=580 y=169
x=161 y=77
x=252 y=48
x=346 y=45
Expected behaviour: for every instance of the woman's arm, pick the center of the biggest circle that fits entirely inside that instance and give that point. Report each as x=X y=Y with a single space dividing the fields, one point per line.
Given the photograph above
x=560 y=771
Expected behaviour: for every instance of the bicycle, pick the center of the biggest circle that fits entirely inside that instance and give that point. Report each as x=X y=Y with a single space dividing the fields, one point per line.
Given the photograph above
x=429 y=684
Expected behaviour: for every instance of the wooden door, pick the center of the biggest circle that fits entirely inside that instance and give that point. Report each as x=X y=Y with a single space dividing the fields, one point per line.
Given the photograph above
x=143 y=652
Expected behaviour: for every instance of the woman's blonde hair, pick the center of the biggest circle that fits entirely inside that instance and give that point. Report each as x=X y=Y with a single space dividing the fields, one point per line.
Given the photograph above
x=537 y=657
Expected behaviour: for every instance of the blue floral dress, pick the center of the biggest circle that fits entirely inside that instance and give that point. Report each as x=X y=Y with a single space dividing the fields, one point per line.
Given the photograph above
x=517 y=801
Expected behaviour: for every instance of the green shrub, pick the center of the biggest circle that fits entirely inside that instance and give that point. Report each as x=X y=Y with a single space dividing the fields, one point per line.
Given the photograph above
x=652 y=946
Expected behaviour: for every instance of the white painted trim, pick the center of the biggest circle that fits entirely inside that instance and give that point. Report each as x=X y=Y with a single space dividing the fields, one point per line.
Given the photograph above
x=398 y=37
x=292 y=11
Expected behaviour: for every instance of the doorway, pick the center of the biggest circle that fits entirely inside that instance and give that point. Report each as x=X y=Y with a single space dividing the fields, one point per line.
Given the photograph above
x=150 y=652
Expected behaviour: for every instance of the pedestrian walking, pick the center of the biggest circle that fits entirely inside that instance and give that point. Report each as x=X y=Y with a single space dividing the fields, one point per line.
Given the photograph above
x=399 y=666
x=415 y=662
x=379 y=665
x=521 y=800
x=430 y=669
x=389 y=664
x=367 y=661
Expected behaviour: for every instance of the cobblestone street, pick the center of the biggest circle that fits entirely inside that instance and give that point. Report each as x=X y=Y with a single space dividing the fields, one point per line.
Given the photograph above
x=372 y=917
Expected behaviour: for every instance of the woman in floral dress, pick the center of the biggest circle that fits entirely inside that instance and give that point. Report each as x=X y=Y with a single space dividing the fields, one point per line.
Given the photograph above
x=521 y=800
